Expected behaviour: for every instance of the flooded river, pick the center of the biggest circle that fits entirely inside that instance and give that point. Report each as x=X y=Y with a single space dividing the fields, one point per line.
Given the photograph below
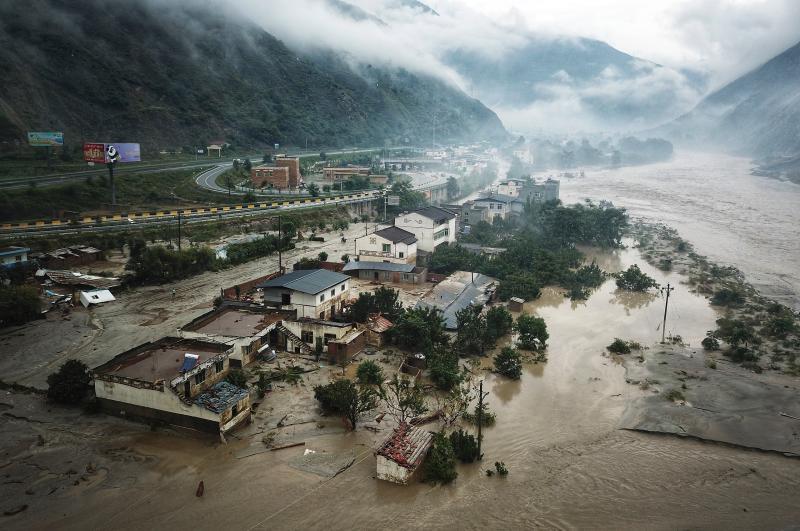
x=731 y=216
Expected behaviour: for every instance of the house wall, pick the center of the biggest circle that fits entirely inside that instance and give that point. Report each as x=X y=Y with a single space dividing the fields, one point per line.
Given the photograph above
x=244 y=348
x=370 y=249
x=388 y=470
x=426 y=231
x=317 y=329
x=277 y=176
x=392 y=276
x=293 y=166
x=339 y=352
x=14 y=259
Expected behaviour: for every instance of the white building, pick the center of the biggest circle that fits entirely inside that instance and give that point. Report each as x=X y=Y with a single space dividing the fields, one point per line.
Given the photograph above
x=391 y=244
x=12 y=256
x=510 y=187
x=524 y=155
x=402 y=453
x=431 y=225
x=314 y=293
x=173 y=380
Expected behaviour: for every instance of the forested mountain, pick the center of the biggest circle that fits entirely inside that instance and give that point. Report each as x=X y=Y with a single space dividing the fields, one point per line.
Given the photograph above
x=173 y=74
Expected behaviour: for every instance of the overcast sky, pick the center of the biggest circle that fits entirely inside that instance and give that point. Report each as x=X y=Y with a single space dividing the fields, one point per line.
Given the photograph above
x=725 y=38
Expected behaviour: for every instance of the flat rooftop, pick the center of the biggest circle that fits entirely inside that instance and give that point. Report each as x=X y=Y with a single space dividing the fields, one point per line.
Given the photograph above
x=233 y=322
x=159 y=360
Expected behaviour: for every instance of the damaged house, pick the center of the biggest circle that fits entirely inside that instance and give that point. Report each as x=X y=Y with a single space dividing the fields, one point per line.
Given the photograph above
x=401 y=454
x=176 y=381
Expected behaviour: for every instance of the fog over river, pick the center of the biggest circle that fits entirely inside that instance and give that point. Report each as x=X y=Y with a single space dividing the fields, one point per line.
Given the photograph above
x=731 y=216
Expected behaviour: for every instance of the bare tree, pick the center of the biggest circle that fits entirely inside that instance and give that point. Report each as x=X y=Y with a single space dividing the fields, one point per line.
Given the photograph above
x=403 y=399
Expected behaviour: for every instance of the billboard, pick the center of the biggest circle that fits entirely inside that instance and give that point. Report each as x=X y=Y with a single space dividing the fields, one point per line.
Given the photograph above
x=45 y=138
x=124 y=152
x=394 y=200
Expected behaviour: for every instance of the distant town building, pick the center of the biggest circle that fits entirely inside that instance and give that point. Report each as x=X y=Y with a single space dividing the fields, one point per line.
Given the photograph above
x=270 y=176
x=511 y=187
x=391 y=244
x=342 y=174
x=431 y=225
x=13 y=256
x=173 y=380
x=379 y=180
x=315 y=293
x=489 y=208
x=541 y=191
x=217 y=146
x=293 y=165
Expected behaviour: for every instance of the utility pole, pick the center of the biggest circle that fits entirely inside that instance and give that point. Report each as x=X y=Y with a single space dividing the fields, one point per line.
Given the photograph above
x=179 y=231
x=280 y=245
x=666 y=290
x=110 y=165
x=481 y=396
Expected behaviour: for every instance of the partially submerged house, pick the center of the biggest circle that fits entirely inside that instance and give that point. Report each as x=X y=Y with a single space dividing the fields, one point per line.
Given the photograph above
x=245 y=327
x=338 y=341
x=386 y=272
x=400 y=455
x=314 y=293
x=173 y=380
x=96 y=296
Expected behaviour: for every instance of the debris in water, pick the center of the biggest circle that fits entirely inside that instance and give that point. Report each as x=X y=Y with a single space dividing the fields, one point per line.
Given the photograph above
x=200 y=489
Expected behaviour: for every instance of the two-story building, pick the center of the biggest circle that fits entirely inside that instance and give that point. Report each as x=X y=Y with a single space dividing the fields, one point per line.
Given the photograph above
x=314 y=293
x=511 y=187
x=173 y=380
x=391 y=244
x=431 y=225
x=540 y=191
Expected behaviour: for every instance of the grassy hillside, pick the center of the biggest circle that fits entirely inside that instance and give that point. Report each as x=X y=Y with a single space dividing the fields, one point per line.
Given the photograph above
x=176 y=74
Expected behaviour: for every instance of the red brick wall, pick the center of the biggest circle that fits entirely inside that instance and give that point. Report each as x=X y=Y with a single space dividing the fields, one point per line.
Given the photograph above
x=246 y=287
x=278 y=177
x=293 y=166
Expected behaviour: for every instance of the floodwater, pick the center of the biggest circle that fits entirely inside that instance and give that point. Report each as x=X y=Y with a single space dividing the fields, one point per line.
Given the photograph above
x=731 y=216
x=556 y=431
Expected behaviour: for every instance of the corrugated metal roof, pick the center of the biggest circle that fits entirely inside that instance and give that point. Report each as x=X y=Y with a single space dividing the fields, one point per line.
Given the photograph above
x=435 y=213
x=378 y=266
x=311 y=281
x=221 y=396
x=12 y=250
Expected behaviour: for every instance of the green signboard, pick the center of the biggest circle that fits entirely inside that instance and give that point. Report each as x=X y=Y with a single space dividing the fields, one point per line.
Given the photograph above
x=46 y=138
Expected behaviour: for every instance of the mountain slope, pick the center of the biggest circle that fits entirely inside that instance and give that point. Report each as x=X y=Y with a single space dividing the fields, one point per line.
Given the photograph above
x=584 y=79
x=757 y=114
x=179 y=74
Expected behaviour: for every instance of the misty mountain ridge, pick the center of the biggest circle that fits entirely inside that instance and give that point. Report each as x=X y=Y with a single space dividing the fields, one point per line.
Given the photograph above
x=181 y=74
x=757 y=114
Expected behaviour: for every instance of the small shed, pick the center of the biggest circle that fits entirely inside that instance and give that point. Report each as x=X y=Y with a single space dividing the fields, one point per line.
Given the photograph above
x=515 y=304
x=98 y=296
x=377 y=326
x=402 y=453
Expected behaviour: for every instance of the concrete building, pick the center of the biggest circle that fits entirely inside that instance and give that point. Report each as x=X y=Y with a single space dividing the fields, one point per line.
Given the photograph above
x=386 y=272
x=173 y=380
x=541 y=191
x=402 y=453
x=488 y=208
x=339 y=341
x=342 y=174
x=314 y=293
x=267 y=175
x=510 y=187
x=293 y=165
x=244 y=327
x=431 y=225
x=391 y=244
x=13 y=256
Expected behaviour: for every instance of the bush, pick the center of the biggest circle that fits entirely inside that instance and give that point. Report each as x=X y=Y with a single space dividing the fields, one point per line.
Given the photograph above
x=727 y=297
x=501 y=468
x=532 y=332
x=344 y=398
x=499 y=322
x=618 y=346
x=237 y=377
x=508 y=363
x=440 y=467
x=710 y=343
x=18 y=305
x=673 y=395
x=369 y=373
x=70 y=384
x=465 y=446
x=323 y=256
x=634 y=279
x=488 y=418
x=443 y=368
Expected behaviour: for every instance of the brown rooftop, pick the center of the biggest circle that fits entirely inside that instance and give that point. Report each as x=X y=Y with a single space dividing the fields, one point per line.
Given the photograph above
x=159 y=360
x=233 y=322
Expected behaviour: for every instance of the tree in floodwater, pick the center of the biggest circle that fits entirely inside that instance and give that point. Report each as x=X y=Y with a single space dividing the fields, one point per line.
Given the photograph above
x=634 y=279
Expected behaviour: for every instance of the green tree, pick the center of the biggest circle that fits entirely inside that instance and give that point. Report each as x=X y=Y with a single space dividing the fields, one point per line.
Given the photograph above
x=727 y=297
x=735 y=332
x=465 y=446
x=420 y=329
x=323 y=256
x=382 y=300
x=403 y=399
x=18 y=305
x=452 y=187
x=440 y=466
x=508 y=363
x=313 y=189
x=532 y=332
x=369 y=373
x=634 y=279
x=443 y=368
x=70 y=384
x=499 y=322
x=247 y=165
x=343 y=397
x=619 y=346
x=237 y=377
x=345 y=258
x=471 y=337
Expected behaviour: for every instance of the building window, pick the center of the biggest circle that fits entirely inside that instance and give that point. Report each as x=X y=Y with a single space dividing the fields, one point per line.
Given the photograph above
x=342 y=288
x=333 y=292
x=387 y=248
x=322 y=297
x=328 y=337
x=19 y=258
x=400 y=254
x=200 y=377
x=219 y=366
x=307 y=337
x=286 y=298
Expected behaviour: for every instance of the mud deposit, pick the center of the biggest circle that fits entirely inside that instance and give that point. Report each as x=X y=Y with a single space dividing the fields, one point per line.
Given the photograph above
x=557 y=432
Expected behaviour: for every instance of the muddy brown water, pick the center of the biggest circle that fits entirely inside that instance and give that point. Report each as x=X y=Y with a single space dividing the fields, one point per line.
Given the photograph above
x=570 y=467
